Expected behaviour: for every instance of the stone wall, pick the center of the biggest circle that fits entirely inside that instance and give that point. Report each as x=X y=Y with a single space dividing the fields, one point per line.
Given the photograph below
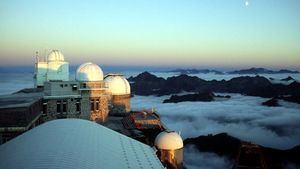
x=120 y=101
x=94 y=93
x=70 y=104
x=89 y=93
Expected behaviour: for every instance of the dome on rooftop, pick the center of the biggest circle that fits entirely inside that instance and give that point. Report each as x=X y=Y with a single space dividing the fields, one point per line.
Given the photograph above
x=89 y=72
x=117 y=84
x=55 y=55
x=168 y=141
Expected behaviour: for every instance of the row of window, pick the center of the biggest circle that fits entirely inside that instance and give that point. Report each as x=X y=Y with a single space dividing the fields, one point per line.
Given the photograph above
x=74 y=86
x=61 y=106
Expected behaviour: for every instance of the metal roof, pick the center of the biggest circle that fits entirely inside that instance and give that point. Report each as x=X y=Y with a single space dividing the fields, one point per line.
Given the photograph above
x=19 y=110
x=19 y=99
x=75 y=143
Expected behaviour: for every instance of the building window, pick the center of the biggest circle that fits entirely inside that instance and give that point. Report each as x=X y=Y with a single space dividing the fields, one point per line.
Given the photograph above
x=74 y=87
x=45 y=108
x=97 y=104
x=64 y=106
x=58 y=106
x=84 y=85
x=78 y=105
x=92 y=105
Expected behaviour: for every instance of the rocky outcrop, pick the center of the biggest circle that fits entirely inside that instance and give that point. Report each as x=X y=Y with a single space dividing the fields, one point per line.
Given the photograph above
x=203 y=97
x=271 y=103
x=226 y=145
x=289 y=78
x=221 y=144
x=290 y=98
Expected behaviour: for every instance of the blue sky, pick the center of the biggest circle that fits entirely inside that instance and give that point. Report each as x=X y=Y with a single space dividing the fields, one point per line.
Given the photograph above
x=196 y=33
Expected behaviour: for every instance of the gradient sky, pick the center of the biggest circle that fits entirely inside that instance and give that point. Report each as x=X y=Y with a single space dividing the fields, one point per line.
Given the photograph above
x=197 y=33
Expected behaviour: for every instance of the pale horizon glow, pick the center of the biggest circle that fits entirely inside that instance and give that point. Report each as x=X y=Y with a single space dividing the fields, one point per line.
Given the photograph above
x=176 y=33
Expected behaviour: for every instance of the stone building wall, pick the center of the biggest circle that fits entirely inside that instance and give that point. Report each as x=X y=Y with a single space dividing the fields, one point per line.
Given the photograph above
x=99 y=113
x=89 y=93
x=121 y=101
x=85 y=105
x=94 y=93
x=70 y=105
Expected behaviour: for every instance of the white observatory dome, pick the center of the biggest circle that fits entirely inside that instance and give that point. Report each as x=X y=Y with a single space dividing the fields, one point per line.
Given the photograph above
x=117 y=84
x=55 y=55
x=168 y=141
x=89 y=72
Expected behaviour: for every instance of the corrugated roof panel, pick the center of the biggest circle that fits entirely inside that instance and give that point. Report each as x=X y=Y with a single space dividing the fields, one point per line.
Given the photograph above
x=74 y=143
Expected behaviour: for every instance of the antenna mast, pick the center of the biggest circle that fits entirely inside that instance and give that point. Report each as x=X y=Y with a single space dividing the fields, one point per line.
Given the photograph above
x=45 y=56
x=36 y=56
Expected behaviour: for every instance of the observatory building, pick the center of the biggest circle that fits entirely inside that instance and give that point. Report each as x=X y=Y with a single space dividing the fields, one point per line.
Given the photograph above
x=89 y=96
x=119 y=90
x=170 y=149
x=121 y=139
x=51 y=68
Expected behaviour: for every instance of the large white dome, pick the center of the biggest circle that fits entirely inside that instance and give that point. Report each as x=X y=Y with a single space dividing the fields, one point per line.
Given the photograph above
x=117 y=84
x=168 y=141
x=55 y=55
x=89 y=72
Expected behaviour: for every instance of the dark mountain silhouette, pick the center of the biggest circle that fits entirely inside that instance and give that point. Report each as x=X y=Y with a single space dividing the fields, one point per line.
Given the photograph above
x=204 y=97
x=261 y=71
x=252 y=70
x=194 y=71
x=226 y=145
x=147 y=84
x=271 y=103
x=287 y=79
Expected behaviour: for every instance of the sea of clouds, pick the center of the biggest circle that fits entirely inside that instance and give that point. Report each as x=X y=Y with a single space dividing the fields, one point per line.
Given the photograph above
x=195 y=159
x=240 y=116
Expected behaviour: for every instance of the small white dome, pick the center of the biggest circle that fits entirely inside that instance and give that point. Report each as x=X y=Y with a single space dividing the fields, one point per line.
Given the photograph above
x=89 y=72
x=168 y=141
x=55 y=55
x=117 y=84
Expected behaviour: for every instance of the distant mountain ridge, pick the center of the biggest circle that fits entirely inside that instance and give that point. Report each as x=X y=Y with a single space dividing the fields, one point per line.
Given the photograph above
x=252 y=70
x=195 y=71
x=261 y=71
x=146 y=84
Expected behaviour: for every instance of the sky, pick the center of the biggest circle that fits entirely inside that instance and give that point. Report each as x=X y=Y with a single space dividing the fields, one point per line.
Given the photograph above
x=180 y=33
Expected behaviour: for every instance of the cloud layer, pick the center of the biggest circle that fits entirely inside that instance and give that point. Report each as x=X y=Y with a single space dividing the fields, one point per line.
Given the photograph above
x=241 y=116
x=195 y=159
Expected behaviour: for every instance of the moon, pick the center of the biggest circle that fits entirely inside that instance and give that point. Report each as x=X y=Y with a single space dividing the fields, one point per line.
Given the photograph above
x=246 y=3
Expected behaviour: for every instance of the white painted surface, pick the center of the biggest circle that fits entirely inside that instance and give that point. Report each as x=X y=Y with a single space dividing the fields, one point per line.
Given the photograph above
x=74 y=143
x=58 y=71
x=117 y=84
x=168 y=141
x=89 y=72
x=55 y=56
x=54 y=69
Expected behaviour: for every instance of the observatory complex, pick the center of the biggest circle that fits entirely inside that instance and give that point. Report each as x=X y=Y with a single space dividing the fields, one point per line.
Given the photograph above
x=87 y=119
x=89 y=96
